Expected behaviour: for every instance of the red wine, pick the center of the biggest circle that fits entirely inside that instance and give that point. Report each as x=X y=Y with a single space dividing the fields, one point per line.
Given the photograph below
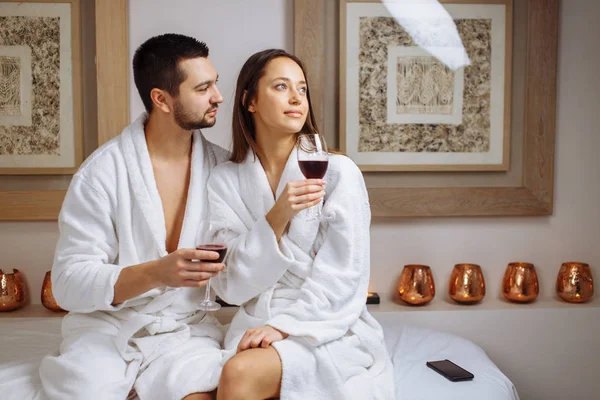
x=219 y=248
x=313 y=169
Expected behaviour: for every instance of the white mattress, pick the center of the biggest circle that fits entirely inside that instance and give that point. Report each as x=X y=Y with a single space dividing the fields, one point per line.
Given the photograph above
x=23 y=342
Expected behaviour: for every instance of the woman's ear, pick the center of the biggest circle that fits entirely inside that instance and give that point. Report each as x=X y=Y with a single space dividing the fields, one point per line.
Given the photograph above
x=250 y=107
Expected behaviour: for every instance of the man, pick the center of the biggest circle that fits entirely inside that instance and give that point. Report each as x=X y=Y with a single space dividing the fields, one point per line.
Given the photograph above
x=124 y=261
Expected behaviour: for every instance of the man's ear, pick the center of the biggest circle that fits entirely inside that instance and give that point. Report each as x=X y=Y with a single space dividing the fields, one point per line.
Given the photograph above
x=251 y=105
x=159 y=98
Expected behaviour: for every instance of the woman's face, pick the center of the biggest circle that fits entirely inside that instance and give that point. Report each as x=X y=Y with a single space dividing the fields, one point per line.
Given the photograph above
x=281 y=104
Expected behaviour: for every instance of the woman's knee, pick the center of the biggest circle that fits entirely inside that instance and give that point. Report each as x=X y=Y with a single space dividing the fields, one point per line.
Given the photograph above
x=236 y=371
x=251 y=374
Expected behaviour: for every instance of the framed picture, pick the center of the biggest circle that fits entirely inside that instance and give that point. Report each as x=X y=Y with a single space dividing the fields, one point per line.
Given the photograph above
x=40 y=87
x=401 y=109
x=314 y=37
x=526 y=189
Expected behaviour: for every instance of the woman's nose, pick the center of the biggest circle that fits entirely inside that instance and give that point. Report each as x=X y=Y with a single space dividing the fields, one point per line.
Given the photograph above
x=295 y=97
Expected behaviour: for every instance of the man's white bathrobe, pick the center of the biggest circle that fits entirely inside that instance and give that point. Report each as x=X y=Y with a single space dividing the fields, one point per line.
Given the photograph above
x=112 y=217
x=312 y=284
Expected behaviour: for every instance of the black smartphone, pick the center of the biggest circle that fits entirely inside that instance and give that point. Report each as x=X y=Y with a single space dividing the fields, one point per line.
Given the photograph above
x=450 y=370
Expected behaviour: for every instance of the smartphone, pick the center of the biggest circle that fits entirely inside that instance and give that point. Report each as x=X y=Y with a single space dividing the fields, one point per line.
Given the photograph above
x=449 y=370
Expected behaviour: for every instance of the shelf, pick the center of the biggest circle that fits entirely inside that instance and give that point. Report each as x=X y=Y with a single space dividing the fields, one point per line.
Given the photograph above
x=32 y=311
x=487 y=304
x=387 y=305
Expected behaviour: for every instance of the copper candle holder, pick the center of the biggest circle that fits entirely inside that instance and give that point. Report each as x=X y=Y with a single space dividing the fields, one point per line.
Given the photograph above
x=574 y=283
x=467 y=285
x=12 y=290
x=520 y=283
x=416 y=284
x=48 y=299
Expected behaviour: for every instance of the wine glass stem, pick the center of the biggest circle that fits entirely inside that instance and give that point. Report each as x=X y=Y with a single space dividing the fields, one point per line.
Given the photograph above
x=319 y=208
x=207 y=294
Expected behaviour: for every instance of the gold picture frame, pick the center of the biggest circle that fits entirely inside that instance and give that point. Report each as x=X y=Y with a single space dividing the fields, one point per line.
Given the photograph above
x=48 y=94
x=364 y=139
x=44 y=205
x=535 y=195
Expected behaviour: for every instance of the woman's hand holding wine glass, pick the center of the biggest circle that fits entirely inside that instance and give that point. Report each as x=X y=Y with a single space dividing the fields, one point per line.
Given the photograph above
x=313 y=159
x=295 y=197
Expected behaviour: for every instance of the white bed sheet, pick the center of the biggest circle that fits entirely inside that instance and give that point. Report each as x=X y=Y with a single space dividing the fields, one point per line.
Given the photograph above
x=23 y=343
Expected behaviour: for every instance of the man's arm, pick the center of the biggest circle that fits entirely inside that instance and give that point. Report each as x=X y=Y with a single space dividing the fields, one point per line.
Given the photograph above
x=84 y=275
x=133 y=281
x=175 y=270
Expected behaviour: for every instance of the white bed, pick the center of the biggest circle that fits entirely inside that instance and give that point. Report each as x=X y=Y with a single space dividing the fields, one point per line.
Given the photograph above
x=23 y=342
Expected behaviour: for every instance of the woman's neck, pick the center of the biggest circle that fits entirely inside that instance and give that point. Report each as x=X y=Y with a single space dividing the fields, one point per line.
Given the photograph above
x=276 y=149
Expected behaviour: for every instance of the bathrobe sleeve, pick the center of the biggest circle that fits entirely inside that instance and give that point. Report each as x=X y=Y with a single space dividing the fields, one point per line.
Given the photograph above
x=84 y=273
x=254 y=259
x=332 y=298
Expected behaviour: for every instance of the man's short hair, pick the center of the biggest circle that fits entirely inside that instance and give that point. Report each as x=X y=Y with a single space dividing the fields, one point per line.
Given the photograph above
x=156 y=63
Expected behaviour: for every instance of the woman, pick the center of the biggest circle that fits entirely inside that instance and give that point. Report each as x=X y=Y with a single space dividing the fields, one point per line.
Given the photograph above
x=303 y=330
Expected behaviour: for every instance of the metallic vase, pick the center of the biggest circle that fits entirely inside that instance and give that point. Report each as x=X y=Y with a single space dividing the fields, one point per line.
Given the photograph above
x=574 y=283
x=48 y=299
x=416 y=284
x=520 y=283
x=467 y=285
x=12 y=291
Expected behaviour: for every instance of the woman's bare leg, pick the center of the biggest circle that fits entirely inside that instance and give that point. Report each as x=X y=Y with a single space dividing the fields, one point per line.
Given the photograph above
x=253 y=374
x=200 y=396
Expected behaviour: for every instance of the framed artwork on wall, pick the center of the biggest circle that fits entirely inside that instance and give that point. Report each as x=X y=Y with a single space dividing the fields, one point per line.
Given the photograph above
x=451 y=192
x=40 y=87
x=533 y=195
x=401 y=109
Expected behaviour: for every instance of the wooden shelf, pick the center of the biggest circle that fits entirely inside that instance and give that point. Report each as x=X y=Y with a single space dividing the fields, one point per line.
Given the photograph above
x=487 y=304
x=32 y=311
x=387 y=305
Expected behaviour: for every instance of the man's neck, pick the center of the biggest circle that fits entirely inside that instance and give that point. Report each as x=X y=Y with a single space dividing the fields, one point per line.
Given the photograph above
x=166 y=141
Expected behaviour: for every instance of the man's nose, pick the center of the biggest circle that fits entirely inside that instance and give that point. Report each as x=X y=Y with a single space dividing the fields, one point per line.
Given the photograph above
x=217 y=97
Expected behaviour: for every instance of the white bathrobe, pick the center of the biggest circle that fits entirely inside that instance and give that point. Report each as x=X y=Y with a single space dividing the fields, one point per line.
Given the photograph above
x=111 y=218
x=312 y=284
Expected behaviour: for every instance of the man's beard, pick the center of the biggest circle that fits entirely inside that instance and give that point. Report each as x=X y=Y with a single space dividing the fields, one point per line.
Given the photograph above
x=190 y=122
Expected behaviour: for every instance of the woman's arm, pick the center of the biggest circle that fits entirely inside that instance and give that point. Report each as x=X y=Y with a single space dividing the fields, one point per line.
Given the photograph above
x=297 y=196
x=333 y=296
x=255 y=260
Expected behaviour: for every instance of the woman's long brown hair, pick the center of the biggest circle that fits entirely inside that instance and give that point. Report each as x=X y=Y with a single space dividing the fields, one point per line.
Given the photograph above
x=242 y=127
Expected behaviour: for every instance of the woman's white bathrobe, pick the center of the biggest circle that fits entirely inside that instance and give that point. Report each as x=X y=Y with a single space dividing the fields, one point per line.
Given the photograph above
x=112 y=217
x=312 y=284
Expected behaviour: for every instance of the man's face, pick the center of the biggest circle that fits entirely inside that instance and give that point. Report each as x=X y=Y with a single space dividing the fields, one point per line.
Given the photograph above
x=198 y=100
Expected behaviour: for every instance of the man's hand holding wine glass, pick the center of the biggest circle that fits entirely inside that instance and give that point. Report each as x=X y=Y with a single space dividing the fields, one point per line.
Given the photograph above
x=178 y=270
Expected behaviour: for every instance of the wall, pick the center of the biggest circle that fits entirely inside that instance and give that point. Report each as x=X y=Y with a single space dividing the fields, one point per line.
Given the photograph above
x=231 y=38
x=549 y=351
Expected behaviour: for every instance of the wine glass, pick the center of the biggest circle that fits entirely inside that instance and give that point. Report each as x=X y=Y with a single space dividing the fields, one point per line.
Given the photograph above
x=313 y=160
x=207 y=239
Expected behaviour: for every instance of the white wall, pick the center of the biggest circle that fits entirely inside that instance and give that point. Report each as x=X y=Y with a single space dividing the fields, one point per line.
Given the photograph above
x=232 y=29
x=536 y=347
